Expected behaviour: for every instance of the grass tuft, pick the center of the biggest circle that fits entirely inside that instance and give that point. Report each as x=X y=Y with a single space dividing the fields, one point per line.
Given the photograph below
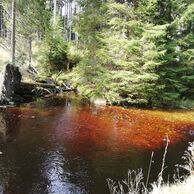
x=134 y=183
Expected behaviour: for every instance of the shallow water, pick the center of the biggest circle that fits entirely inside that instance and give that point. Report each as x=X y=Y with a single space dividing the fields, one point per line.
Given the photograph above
x=61 y=146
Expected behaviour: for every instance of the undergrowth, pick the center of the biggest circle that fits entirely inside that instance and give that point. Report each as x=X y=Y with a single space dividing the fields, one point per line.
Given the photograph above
x=134 y=184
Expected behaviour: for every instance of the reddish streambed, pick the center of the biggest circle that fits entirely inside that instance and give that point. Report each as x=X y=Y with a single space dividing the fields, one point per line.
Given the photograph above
x=60 y=146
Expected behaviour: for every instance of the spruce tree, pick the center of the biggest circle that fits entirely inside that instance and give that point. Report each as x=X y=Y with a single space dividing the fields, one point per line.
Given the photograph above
x=120 y=53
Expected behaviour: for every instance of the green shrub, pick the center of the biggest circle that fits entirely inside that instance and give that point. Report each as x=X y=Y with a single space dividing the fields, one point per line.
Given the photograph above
x=53 y=50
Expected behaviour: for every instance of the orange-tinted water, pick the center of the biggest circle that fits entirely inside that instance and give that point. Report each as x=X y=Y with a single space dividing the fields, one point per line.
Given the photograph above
x=61 y=146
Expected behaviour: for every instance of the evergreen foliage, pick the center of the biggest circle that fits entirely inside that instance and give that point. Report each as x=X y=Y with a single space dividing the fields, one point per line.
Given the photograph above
x=53 y=49
x=113 y=62
x=136 y=52
x=177 y=72
x=129 y=52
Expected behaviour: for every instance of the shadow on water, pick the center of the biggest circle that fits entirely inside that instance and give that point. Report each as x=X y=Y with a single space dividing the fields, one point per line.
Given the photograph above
x=8 y=126
x=63 y=146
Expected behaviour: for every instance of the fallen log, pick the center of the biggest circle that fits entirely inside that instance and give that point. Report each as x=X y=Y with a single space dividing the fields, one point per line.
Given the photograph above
x=40 y=89
x=12 y=89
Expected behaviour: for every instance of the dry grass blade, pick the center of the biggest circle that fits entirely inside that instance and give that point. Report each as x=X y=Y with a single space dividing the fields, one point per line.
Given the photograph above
x=149 y=169
x=189 y=159
x=134 y=182
x=160 y=176
x=132 y=185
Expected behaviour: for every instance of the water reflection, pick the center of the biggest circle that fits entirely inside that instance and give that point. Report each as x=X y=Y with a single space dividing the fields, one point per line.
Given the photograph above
x=57 y=177
x=9 y=129
x=3 y=127
x=9 y=125
x=58 y=146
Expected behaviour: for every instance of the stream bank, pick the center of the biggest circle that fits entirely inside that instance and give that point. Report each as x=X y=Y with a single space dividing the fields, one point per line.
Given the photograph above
x=14 y=90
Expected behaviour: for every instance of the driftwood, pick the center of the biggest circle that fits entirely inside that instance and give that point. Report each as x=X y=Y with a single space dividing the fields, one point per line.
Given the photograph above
x=12 y=89
x=40 y=89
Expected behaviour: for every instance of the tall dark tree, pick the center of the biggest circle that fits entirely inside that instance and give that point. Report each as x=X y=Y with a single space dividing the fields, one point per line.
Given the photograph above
x=13 y=40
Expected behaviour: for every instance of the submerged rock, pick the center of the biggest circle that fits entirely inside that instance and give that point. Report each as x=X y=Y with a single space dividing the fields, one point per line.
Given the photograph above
x=10 y=79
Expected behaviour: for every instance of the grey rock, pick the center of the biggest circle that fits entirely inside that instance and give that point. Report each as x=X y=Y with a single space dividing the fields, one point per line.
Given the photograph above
x=10 y=79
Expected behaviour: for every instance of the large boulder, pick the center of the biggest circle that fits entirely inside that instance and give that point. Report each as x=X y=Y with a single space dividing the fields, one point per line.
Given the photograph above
x=10 y=79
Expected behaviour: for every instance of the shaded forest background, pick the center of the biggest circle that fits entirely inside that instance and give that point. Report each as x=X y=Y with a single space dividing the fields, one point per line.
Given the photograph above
x=135 y=52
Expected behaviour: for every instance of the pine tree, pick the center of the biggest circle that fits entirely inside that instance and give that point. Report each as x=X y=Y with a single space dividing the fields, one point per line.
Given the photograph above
x=120 y=57
x=177 y=72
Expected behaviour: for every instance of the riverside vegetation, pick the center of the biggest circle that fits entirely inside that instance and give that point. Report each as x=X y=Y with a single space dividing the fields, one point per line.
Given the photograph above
x=128 y=52
x=132 y=52
x=134 y=183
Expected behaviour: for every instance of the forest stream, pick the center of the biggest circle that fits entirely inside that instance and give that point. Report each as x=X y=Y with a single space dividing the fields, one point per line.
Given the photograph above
x=61 y=145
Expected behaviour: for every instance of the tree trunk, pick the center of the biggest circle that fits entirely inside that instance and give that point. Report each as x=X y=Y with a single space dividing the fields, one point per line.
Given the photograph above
x=55 y=12
x=30 y=52
x=13 y=33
